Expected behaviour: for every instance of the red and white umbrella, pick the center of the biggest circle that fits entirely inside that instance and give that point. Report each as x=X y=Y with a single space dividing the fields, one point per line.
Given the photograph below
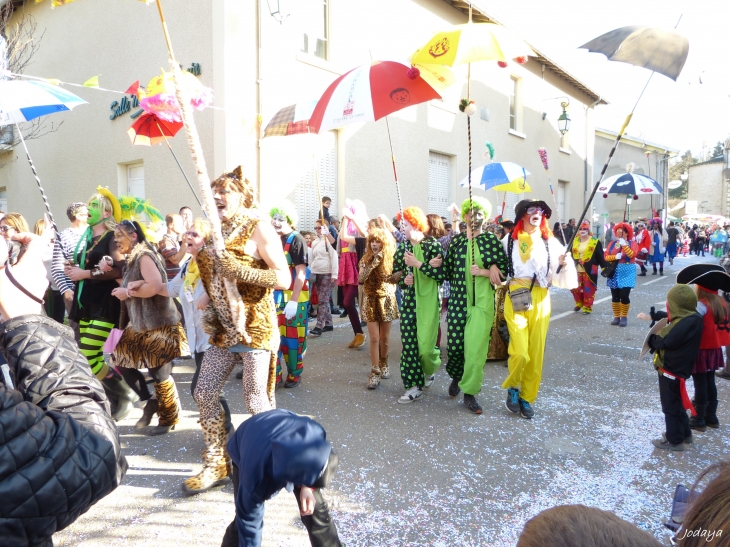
x=368 y=93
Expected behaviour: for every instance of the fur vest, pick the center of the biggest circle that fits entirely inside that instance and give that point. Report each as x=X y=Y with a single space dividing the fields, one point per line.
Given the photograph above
x=146 y=314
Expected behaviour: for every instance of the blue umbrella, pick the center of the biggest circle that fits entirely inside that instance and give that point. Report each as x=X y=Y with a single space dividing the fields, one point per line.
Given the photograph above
x=497 y=174
x=25 y=100
x=630 y=183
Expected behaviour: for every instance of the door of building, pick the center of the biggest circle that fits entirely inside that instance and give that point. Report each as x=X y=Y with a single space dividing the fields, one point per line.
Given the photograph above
x=135 y=180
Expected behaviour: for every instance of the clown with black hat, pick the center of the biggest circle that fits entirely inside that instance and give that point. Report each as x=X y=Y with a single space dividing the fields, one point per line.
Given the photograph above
x=534 y=256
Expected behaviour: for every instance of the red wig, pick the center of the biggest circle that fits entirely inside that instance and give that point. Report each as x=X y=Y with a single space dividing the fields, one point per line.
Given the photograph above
x=545 y=231
x=626 y=227
x=416 y=218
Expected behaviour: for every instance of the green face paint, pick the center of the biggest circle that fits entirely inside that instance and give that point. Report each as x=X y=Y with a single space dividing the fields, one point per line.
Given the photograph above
x=94 y=213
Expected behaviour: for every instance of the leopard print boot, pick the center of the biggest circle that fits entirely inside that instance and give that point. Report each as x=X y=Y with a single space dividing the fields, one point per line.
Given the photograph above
x=168 y=407
x=384 y=371
x=374 y=380
x=216 y=462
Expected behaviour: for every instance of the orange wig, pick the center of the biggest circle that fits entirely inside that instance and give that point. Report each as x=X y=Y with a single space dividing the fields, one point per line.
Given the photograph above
x=626 y=227
x=545 y=231
x=416 y=217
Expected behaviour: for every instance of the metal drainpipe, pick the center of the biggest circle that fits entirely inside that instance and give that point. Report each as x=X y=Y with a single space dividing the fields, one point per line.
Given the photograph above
x=585 y=182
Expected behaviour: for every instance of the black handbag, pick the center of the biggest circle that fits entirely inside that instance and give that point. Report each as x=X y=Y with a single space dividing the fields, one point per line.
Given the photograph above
x=610 y=270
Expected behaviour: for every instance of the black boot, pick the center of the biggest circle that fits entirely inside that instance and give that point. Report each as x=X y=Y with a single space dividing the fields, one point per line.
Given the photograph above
x=711 y=415
x=120 y=391
x=150 y=409
x=698 y=422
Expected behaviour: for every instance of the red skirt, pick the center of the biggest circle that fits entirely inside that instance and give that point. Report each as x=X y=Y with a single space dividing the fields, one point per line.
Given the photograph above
x=708 y=360
x=348 y=274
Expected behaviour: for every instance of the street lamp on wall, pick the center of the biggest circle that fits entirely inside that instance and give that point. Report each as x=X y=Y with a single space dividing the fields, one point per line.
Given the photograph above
x=276 y=13
x=564 y=120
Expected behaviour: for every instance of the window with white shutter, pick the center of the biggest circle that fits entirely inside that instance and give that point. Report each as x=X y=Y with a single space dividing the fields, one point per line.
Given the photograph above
x=306 y=197
x=510 y=201
x=439 y=183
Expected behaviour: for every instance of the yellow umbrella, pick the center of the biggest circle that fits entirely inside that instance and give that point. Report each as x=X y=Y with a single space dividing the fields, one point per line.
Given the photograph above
x=515 y=187
x=471 y=42
x=466 y=44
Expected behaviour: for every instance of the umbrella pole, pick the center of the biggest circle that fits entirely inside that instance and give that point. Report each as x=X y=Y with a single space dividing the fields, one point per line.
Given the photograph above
x=181 y=169
x=600 y=177
x=35 y=174
x=610 y=157
x=504 y=204
x=196 y=151
x=395 y=176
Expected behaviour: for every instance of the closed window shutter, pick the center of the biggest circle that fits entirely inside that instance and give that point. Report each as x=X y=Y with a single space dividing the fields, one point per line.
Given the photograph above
x=306 y=197
x=511 y=200
x=439 y=182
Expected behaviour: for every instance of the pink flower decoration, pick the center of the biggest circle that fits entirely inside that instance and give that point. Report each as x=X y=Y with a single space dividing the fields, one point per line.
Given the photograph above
x=543 y=157
x=164 y=106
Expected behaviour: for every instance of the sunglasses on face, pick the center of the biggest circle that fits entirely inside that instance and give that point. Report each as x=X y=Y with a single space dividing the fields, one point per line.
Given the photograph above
x=5 y=229
x=533 y=210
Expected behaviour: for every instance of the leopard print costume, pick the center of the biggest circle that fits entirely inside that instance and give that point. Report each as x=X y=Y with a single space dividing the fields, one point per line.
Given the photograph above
x=217 y=366
x=261 y=324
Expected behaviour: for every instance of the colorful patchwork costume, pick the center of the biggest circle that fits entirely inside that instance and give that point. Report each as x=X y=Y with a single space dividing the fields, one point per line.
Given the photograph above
x=588 y=256
x=293 y=332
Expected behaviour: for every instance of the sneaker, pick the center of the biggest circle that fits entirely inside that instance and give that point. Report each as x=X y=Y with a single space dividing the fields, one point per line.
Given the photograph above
x=430 y=380
x=413 y=394
x=454 y=388
x=289 y=384
x=687 y=440
x=316 y=331
x=512 y=402
x=525 y=409
x=666 y=445
x=471 y=403
x=328 y=328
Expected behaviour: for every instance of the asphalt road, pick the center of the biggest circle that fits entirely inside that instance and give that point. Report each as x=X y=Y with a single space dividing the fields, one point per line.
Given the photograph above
x=431 y=473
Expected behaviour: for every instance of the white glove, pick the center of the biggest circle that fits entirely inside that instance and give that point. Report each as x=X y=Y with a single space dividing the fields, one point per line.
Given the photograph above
x=290 y=310
x=618 y=257
x=622 y=242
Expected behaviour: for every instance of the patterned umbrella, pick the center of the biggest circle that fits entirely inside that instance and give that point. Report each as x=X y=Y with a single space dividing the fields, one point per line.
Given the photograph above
x=630 y=183
x=501 y=175
x=291 y=120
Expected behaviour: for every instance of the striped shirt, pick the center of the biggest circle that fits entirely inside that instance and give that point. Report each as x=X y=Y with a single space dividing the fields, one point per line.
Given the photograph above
x=64 y=248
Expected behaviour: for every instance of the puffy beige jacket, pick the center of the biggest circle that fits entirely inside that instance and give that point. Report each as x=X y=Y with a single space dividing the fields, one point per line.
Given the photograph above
x=323 y=258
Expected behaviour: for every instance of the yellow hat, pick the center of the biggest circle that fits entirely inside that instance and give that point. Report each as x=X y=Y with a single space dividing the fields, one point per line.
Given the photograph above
x=116 y=209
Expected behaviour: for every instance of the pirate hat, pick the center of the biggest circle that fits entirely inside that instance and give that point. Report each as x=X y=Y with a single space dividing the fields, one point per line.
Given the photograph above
x=713 y=281
x=522 y=206
x=688 y=275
